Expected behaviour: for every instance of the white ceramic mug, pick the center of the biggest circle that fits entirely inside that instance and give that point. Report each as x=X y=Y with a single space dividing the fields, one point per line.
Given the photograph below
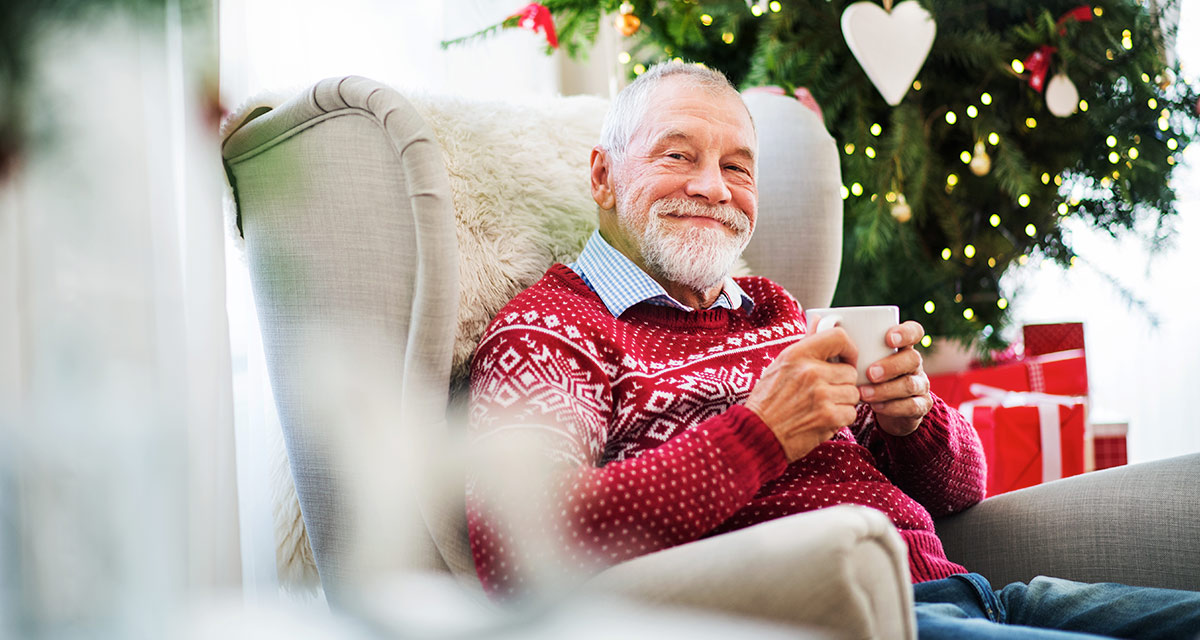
x=867 y=328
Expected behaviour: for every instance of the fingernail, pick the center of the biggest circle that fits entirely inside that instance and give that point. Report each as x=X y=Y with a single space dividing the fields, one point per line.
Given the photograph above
x=895 y=338
x=867 y=392
x=875 y=373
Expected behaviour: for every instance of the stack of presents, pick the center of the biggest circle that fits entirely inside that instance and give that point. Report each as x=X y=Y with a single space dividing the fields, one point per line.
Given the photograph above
x=1032 y=412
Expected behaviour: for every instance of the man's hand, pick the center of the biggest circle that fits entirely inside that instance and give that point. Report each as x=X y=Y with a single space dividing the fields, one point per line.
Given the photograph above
x=804 y=398
x=900 y=393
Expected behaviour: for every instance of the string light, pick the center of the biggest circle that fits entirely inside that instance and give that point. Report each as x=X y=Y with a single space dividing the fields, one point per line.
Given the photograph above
x=1031 y=122
x=1023 y=199
x=916 y=85
x=756 y=10
x=929 y=306
x=1018 y=66
x=1045 y=178
x=639 y=69
x=958 y=297
x=775 y=6
x=1133 y=153
x=1023 y=260
x=969 y=251
x=706 y=20
x=1083 y=105
x=951 y=118
x=965 y=156
x=1114 y=157
x=856 y=189
x=1145 y=77
x=1172 y=144
x=1152 y=103
x=1062 y=209
x=927 y=341
x=876 y=129
x=969 y=313
x=845 y=192
x=623 y=57
x=946 y=253
x=985 y=98
x=993 y=138
x=1030 y=230
x=1104 y=182
x=1058 y=180
x=1126 y=40
x=1003 y=303
x=890 y=196
x=849 y=148
x=727 y=37
x=1098 y=11
x=994 y=220
x=1111 y=141
x=1163 y=125
x=952 y=179
x=972 y=111
x=992 y=262
x=870 y=152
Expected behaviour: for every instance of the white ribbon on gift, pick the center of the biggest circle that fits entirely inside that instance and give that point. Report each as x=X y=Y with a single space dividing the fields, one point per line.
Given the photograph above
x=1047 y=404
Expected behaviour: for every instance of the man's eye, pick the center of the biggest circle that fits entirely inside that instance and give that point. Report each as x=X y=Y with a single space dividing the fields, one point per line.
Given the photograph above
x=735 y=167
x=675 y=156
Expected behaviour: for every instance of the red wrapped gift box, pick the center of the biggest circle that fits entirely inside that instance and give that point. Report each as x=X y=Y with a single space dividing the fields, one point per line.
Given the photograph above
x=1109 y=444
x=1026 y=445
x=1063 y=373
x=1021 y=410
x=1041 y=339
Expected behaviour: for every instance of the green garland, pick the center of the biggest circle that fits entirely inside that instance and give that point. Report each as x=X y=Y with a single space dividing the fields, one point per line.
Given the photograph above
x=1109 y=165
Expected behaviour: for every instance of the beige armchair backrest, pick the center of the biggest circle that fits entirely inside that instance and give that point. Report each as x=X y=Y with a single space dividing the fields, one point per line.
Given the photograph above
x=394 y=228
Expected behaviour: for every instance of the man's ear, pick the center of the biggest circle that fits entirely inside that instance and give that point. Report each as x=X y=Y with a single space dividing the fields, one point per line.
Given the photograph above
x=602 y=190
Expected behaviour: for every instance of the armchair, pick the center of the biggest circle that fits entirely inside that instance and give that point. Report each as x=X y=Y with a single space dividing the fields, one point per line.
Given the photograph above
x=390 y=229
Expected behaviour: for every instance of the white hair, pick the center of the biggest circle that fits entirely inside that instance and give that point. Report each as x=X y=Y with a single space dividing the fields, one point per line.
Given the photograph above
x=629 y=107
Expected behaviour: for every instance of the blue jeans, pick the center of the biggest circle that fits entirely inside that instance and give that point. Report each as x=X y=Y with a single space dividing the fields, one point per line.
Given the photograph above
x=965 y=606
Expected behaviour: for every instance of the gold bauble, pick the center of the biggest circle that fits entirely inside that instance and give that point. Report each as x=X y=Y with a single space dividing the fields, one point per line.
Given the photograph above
x=901 y=211
x=627 y=24
x=981 y=162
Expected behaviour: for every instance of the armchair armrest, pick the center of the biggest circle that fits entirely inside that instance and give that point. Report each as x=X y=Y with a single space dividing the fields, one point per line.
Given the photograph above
x=1135 y=525
x=843 y=568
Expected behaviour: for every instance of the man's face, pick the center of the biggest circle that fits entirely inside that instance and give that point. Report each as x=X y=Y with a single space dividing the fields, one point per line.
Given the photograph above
x=686 y=196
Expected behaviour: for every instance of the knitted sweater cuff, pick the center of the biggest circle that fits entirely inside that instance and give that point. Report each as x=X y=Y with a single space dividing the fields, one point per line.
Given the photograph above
x=750 y=444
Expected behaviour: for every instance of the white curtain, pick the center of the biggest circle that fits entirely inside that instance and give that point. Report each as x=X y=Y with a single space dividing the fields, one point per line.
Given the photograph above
x=117 y=494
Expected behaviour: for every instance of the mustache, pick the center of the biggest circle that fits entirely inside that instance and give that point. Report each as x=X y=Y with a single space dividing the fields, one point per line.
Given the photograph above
x=727 y=215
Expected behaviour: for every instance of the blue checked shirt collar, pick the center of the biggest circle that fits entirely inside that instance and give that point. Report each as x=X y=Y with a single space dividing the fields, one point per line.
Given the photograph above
x=620 y=283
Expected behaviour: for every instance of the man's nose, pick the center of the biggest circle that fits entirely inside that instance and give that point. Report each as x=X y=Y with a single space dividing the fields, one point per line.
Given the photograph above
x=708 y=182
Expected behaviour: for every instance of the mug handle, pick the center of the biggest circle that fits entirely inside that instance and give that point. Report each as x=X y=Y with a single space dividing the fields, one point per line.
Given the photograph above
x=825 y=324
x=828 y=322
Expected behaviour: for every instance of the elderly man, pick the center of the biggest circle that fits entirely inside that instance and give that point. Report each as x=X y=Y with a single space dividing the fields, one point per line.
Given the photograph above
x=672 y=402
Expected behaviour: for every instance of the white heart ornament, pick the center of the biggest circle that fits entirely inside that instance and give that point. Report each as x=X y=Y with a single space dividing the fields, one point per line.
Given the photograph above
x=891 y=47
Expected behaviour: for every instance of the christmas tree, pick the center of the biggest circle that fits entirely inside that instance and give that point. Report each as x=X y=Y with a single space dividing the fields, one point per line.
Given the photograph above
x=971 y=172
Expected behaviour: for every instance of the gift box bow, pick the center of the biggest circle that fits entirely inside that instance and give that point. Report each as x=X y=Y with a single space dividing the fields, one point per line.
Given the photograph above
x=1048 y=418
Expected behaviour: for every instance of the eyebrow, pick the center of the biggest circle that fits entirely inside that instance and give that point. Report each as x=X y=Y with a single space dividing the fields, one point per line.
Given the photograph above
x=676 y=134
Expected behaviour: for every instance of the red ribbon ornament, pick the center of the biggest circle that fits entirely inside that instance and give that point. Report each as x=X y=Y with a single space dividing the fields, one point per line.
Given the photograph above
x=1038 y=62
x=536 y=17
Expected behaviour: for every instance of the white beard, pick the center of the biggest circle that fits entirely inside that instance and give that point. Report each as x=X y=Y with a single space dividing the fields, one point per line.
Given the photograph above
x=699 y=258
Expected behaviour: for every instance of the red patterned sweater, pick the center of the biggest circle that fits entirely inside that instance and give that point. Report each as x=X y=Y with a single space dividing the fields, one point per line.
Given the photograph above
x=640 y=418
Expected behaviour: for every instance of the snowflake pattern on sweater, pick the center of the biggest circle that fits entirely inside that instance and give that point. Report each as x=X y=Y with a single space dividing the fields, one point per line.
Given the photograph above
x=642 y=442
